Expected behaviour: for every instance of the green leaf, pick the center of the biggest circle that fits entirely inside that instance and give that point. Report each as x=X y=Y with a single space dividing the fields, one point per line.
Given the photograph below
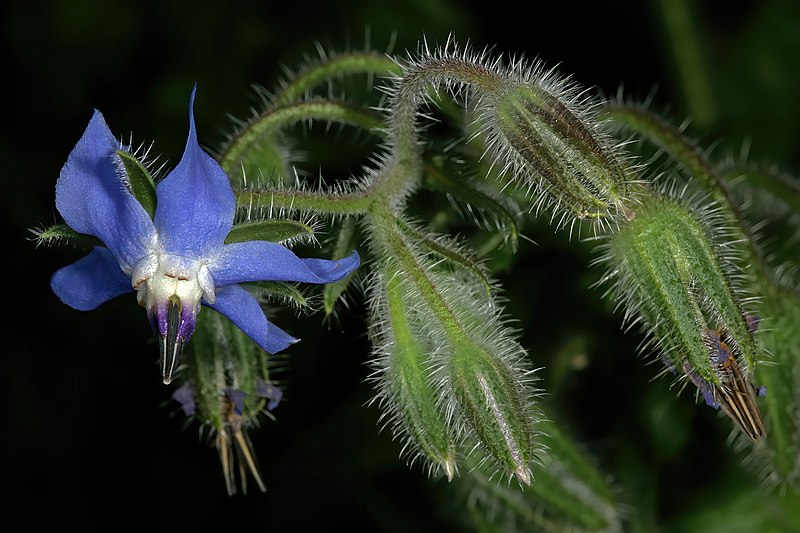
x=273 y=230
x=139 y=181
x=60 y=234
x=345 y=243
x=283 y=292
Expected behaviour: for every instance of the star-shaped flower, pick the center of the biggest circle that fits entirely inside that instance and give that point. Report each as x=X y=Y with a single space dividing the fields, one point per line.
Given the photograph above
x=177 y=259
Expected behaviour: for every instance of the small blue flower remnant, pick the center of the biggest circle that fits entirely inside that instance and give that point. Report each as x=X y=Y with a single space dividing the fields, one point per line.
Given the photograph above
x=176 y=260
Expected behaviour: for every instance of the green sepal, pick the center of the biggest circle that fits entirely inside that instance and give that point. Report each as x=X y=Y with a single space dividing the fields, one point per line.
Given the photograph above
x=491 y=401
x=282 y=292
x=451 y=255
x=139 y=181
x=272 y=230
x=222 y=356
x=61 y=234
x=574 y=166
x=206 y=365
x=670 y=271
x=696 y=163
x=345 y=243
x=408 y=383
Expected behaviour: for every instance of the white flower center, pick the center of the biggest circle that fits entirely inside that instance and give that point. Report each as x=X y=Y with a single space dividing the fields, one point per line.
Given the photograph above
x=159 y=276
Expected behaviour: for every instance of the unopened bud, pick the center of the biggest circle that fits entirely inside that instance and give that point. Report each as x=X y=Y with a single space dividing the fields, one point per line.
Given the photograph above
x=565 y=159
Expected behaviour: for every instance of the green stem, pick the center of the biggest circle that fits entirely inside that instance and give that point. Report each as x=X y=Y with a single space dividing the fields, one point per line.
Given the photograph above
x=327 y=203
x=684 y=34
x=351 y=63
x=279 y=117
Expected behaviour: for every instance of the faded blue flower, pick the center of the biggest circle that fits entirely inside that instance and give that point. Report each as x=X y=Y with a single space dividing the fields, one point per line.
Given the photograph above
x=178 y=259
x=703 y=386
x=185 y=396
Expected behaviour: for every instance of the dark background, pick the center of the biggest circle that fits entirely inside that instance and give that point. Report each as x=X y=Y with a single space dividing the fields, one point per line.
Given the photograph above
x=90 y=436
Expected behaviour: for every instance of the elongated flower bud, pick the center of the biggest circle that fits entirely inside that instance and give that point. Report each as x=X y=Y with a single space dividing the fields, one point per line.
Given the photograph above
x=480 y=380
x=402 y=363
x=674 y=274
x=226 y=387
x=490 y=399
x=563 y=154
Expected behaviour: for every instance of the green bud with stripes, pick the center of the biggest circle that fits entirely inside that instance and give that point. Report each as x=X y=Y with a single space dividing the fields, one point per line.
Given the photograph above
x=541 y=130
x=677 y=274
x=452 y=375
x=544 y=131
x=407 y=394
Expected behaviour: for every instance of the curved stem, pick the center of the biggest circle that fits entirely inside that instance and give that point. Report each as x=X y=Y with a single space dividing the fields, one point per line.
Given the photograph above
x=278 y=117
x=351 y=63
x=412 y=88
x=403 y=171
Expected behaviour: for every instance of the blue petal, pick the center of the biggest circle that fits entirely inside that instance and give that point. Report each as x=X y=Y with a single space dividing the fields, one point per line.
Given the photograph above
x=93 y=199
x=244 y=310
x=90 y=282
x=195 y=202
x=268 y=261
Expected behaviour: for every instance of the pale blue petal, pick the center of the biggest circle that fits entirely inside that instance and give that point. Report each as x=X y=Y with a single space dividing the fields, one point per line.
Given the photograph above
x=90 y=282
x=195 y=202
x=93 y=199
x=243 y=309
x=269 y=261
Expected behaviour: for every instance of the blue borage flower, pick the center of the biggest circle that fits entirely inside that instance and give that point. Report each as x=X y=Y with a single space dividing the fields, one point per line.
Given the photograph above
x=178 y=259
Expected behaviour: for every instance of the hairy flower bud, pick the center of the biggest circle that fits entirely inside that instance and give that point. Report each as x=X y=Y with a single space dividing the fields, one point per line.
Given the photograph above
x=407 y=392
x=559 y=150
x=674 y=272
x=450 y=327
x=227 y=387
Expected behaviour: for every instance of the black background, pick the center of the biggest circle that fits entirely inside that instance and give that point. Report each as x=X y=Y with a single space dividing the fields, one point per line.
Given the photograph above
x=89 y=433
